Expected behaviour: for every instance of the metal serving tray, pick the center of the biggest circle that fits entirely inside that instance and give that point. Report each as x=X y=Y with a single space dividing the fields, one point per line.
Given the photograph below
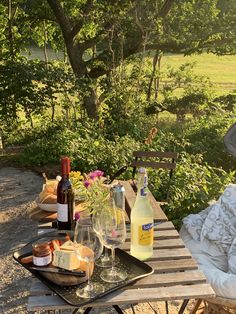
x=135 y=269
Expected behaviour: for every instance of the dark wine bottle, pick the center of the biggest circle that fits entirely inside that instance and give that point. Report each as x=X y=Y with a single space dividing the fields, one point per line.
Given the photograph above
x=65 y=198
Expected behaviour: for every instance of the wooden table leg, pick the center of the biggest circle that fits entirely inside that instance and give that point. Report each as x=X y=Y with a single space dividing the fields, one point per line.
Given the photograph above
x=118 y=309
x=183 y=306
x=167 y=307
x=196 y=306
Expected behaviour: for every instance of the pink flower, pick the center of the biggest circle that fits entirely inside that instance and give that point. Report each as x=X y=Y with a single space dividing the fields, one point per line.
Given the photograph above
x=99 y=173
x=114 y=234
x=86 y=183
x=77 y=216
x=95 y=174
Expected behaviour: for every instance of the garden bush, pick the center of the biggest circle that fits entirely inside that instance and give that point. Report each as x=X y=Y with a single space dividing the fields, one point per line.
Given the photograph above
x=86 y=146
x=193 y=185
x=206 y=137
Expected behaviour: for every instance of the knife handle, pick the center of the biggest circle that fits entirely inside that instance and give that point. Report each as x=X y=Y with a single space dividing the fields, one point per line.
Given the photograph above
x=79 y=273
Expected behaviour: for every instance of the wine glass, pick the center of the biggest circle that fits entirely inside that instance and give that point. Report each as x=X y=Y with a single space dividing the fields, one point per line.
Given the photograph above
x=105 y=260
x=87 y=248
x=112 y=235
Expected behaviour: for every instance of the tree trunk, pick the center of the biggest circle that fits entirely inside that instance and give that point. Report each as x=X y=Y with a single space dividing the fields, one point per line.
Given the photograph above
x=75 y=54
x=53 y=111
x=10 y=33
x=154 y=64
x=157 y=80
x=91 y=104
x=156 y=61
x=45 y=44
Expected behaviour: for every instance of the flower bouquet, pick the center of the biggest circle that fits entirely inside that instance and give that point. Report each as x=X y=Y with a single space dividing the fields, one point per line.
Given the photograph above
x=91 y=188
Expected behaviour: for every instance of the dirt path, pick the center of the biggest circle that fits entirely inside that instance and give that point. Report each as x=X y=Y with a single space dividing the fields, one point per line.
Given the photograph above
x=18 y=190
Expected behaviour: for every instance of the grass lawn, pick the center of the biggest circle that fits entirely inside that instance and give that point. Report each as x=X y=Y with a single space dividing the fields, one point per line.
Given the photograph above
x=220 y=69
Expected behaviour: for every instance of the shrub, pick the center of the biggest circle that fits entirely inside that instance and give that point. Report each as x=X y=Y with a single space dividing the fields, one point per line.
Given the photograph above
x=205 y=137
x=193 y=185
x=86 y=146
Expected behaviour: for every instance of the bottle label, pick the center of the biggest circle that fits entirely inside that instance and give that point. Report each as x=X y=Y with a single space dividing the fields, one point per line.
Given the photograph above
x=62 y=212
x=145 y=234
x=42 y=261
x=143 y=191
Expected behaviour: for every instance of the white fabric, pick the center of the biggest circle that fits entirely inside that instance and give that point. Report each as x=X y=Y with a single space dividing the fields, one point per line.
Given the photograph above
x=211 y=237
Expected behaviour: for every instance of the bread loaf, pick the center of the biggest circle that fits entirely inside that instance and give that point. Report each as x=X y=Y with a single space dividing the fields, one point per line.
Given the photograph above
x=49 y=193
x=49 y=199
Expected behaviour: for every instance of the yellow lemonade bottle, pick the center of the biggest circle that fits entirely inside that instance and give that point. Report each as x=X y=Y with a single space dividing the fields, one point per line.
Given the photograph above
x=142 y=221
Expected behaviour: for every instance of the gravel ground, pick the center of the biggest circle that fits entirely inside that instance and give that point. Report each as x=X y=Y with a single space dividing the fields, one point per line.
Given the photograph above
x=18 y=190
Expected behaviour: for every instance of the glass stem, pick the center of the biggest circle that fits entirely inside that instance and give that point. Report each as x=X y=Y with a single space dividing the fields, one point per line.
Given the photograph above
x=88 y=268
x=106 y=252
x=112 y=258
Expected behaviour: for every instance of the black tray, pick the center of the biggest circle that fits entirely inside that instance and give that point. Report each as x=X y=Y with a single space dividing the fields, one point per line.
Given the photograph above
x=135 y=269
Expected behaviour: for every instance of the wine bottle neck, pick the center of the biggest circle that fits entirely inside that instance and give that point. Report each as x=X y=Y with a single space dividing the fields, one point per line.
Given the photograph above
x=142 y=185
x=65 y=166
x=65 y=176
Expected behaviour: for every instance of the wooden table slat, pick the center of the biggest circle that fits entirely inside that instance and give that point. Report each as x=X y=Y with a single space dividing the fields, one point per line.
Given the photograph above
x=160 y=244
x=161 y=234
x=128 y=296
x=165 y=225
x=173 y=265
x=156 y=280
x=168 y=254
x=170 y=279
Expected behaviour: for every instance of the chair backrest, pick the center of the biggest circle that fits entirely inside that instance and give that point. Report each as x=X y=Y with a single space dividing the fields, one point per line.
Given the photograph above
x=155 y=160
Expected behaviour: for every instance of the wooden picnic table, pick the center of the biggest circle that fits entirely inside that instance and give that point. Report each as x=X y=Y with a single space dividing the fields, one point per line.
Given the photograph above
x=176 y=275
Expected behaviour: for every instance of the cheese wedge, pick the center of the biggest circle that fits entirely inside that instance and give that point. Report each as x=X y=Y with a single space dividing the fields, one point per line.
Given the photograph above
x=66 y=259
x=68 y=245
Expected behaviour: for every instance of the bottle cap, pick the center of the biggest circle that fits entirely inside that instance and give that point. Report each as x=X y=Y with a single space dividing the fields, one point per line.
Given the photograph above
x=142 y=170
x=65 y=165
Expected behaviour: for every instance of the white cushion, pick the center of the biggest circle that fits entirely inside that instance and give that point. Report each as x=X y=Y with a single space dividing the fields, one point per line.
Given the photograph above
x=213 y=263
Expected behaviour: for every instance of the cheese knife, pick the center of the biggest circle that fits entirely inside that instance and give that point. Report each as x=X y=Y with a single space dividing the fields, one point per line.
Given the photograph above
x=61 y=271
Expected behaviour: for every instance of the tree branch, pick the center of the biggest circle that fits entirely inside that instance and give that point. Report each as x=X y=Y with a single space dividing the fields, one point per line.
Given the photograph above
x=77 y=27
x=166 y=8
x=87 y=9
x=63 y=21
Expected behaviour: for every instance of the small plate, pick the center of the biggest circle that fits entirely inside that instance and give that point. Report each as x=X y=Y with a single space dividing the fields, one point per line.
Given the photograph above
x=47 y=207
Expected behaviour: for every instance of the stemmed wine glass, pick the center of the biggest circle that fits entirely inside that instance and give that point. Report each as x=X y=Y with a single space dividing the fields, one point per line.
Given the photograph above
x=87 y=248
x=112 y=234
x=105 y=260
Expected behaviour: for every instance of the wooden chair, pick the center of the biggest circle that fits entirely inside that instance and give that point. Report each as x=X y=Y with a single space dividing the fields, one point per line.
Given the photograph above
x=155 y=160
x=217 y=305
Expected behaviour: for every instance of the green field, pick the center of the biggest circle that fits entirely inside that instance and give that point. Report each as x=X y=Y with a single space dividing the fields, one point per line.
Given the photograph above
x=220 y=69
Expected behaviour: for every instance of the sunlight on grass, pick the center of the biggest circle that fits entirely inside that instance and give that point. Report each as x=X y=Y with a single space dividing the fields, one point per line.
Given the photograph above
x=220 y=69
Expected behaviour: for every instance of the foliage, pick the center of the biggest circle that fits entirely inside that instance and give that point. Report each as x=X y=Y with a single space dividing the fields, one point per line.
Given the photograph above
x=29 y=88
x=99 y=36
x=43 y=104
x=205 y=137
x=193 y=185
x=87 y=148
x=96 y=192
x=49 y=149
x=195 y=92
x=226 y=102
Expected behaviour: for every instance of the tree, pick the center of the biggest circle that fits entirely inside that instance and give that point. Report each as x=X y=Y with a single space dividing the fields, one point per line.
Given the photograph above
x=111 y=31
x=101 y=35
